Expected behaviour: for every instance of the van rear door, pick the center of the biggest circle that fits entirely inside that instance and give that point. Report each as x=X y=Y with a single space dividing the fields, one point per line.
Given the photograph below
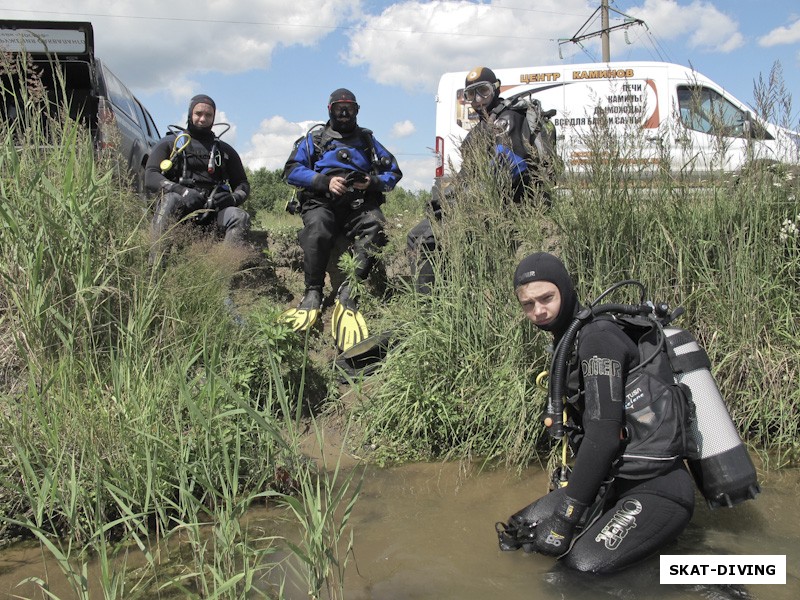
x=67 y=40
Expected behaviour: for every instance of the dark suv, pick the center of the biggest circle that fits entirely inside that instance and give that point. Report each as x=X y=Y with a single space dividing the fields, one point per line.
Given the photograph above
x=116 y=118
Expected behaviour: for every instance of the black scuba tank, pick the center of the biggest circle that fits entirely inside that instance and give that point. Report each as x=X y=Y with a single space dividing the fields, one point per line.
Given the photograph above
x=721 y=467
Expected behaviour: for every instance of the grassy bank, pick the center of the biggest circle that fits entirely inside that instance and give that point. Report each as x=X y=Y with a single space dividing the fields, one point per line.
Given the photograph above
x=461 y=383
x=140 y=414
x=137 y=415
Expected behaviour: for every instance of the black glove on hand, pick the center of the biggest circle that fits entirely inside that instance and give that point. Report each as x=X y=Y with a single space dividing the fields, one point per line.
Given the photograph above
x=239 y=196
x=193 y=199
x=554 y=534
x=223 y=199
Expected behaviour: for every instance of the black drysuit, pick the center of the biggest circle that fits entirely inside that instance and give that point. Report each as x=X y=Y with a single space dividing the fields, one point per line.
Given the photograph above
x=187 y=186
x=635 y=517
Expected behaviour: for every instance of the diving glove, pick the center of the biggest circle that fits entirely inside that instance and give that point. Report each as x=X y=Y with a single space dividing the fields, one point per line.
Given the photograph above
x=553 y=535
x=192 y=199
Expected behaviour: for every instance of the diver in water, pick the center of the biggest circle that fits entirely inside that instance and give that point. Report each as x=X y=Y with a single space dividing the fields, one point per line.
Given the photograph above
x=611 y=514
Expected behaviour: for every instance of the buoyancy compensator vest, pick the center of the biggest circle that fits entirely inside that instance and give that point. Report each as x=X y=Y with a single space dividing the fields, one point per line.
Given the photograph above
x=538 y=131
x=704 y=434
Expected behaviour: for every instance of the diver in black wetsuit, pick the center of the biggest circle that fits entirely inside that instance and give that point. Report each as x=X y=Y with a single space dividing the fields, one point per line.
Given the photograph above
x=206 y=174
x=502 y=133
x=604 y=520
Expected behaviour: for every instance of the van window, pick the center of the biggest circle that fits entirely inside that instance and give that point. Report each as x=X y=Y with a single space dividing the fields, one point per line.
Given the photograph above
x=140 y=115
x=705 y=110
x=119 y=94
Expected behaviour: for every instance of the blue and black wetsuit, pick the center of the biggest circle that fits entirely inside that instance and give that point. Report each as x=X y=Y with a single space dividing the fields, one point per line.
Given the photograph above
x=322 y=154
x=502 y=135
x=502 y=138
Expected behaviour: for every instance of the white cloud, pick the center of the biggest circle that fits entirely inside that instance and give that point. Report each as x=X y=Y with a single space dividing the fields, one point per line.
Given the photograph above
x=706 y=27
x=153 y=44
x=410 y=44
x=229 y=134
x=417 y=173
x=430 y=38
x=271 y=145
x=403 y=129
x=181 y=88
x=781 y=35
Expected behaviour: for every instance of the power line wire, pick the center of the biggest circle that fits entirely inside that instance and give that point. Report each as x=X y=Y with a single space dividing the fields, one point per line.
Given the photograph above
x=275 y=24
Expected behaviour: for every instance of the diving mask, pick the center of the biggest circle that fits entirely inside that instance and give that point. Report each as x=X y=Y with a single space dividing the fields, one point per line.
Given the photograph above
x=483 y=90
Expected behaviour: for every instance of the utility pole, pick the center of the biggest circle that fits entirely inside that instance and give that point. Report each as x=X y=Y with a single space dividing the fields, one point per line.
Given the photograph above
x=605 y=30
x=604 y=36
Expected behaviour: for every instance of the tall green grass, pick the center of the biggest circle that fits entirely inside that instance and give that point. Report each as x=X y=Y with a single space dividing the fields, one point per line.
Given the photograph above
x=461 y=383
x=137 y=417
x=458 y=383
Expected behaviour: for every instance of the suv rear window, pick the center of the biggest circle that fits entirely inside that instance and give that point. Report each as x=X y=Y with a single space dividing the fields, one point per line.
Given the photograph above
x=119 y=94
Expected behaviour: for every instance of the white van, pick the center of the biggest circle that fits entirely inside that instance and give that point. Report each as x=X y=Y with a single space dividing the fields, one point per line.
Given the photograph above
x=665 y=111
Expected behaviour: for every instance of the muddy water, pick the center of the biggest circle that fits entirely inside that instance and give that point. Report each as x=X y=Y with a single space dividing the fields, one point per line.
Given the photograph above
x=426 y=532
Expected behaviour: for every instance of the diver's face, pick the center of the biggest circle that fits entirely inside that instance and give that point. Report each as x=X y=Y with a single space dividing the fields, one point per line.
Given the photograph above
x=203 y=115
x=540 y=301
x=343 y=112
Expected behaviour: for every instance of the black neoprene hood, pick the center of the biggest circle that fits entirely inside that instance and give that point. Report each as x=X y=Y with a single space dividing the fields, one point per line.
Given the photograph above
x=194 y=130
x=542 y=266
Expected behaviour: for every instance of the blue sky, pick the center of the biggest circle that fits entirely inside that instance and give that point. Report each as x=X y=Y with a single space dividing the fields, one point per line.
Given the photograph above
x=271 y=64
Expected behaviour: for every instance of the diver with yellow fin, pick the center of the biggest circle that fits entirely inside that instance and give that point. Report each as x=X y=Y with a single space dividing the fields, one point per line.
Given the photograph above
x=307 y=312
x=341 y=172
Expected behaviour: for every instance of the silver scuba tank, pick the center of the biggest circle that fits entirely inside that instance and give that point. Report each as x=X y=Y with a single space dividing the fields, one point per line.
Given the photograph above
x=721 y=467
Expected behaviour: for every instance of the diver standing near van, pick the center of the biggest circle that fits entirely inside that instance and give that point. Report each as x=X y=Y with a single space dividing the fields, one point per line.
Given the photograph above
x=504 y=133
x=520 y=141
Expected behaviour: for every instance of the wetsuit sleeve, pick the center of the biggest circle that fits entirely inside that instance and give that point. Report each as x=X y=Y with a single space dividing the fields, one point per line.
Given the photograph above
x=387 y=176
x=605 y=356
x=237 y=176
x=298 y=170
x=154 y=179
